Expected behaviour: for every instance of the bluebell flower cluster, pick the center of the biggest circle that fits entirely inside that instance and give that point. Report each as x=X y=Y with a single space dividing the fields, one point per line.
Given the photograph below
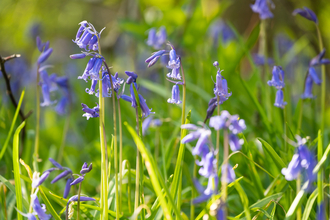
x=302 y=160
x=261 y=7
x=157 y=39
x=312 y=76
x=277 y=81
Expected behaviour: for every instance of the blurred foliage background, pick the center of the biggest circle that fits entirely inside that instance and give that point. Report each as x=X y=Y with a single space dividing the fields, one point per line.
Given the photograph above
x=292 y=42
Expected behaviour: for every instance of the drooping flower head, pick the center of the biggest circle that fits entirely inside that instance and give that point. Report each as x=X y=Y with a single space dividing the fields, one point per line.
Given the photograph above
x=87 y=37
x=261 y=7
x=175 y=95
x=220 y=86
x=277 y=78
x=306 y=13
x=279 y=100
x=90 y=112
x=156 y=39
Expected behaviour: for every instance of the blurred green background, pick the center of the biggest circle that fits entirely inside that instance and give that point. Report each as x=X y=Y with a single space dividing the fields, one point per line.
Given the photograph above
x=292 y=42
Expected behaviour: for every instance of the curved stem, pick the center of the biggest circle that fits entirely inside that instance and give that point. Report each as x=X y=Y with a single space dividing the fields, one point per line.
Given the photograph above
x=36 y=142
x=78 y=205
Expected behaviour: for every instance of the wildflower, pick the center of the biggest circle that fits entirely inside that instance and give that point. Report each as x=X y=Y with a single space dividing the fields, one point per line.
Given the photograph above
x=174 y=74
x=175 y=95
x=308 y=88
x=86 y=169
x=131 y=77
x=45 y=55
x=261 y=7
x=221 y=87
x=259 y=60
x=39 y=210
x=126 y=98
x=61 y=176
x=38 y=181
x=81 y=29
x=82 y=198
x=91 y=91
x=134 y=104
x=88 y=68
x=201 y=134
x=78 y=180
x=321 y=212
x=155 y=57
x=78 y=56
x=208 y=163
x=212 y=186
x=143 y=105
x=60 y=107
x=145 y=124
x=279 y=102
x=319 y=59
x=220 y=122
x=237 y=125
x=277 y=78
x=152 y=38
x=230 y=173
x=306 y=13
x=220 y=28
x=40 y=45
x=94 y=72
x=235 y=143
x=174 y=61
x=55 y=163
x=67 y=187
x=313 y=74
x=90 y=113
x=156 y=40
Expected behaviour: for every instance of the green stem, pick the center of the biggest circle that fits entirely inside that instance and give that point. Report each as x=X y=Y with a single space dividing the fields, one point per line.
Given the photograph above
x=65 y=131
x=78 y=205
x=300 y=116
x=320 y=173
x=137 y=174
x=120 y=156
x=323 y=86
x=36 y=142
x=193 y=193
x=298 y=186
x=218 y=134
x=225 y=163
x=129 y=188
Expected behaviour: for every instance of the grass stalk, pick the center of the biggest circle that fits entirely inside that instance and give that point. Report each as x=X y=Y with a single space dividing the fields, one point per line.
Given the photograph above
x=298 y=187
x=225 y=174
x=320 y=173
x=218 y=135
x=78 y=202
x=36 y=141
x=137 y=176
x=120 y=156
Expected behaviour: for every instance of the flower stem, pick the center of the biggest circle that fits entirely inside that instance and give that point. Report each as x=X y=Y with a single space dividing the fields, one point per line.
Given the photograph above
x=298 y=183
x=78 y=205
x=225 y=163
x=137 y=175
x=120 y=156
x=65 y=131
x=320 y=173
x=193 y=194
x=36 y=142
x=218 y=134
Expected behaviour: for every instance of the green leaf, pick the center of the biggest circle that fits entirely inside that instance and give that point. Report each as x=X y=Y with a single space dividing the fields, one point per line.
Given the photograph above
x=275 y=157
x=244 y=199
x=4 y=147
x=296 y=203
x=48 y=205
x=309 y=205
x=322 y=161
x=18 y=187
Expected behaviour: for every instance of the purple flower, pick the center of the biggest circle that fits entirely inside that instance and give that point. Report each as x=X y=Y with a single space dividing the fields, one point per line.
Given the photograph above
x=88 y=68
x=126 y=98
x=174 y=61
x=220 y=28
x=134 y=104
x=279 y=102
x=306 y=13
x=55 y=163
x=175 y=95
x=41 y=179
x=44 y=55
x=83 y=41
x=38 y=209
x=82 y=198
x=145 y=124
x=155 y=57
x=86 y=169
x=261 y=7
x=143 y=105
x=61 y=106
x=308 y=88
x=62 y=175
x=277 y=78
x=81 y=29
x=76 y=181
x=221 y=88
x=315 y=77
x=220 y=122
x=40 y=45
x=91 y=91
x=78 y=56
x=235 y=143
x=94 y=72
x=131 y=77
x=230 y=173
x=293 y=169
x=46 y=95
x=321 y=212
x=259 y=60
x=212 y=186
x=156 y=40
x=319 y=60
x=174 y=74
x=90 y=113
x=237 y=125
x=67 y=188
x=152 y=38
x=207 y=164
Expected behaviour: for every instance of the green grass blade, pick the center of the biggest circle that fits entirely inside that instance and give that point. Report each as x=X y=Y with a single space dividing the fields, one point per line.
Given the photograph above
x=48 y=205
x=296 y=203
x=275 y=157
x=309 y=205
x=322 y=161
x=4 y=147
x=18 y=187
x=244 y=199
x=152 y=173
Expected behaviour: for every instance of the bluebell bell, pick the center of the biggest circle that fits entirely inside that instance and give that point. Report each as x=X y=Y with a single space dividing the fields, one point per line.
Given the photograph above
x=261 y=7
x=277 y=78
x=46 y=96
x=94 y=72
x=235 y=143
x=62 y=175
x=49 y=80
x=37 y=182
x=46 y=46
x=293 y=169
x=198 y=133
x=211 y=189
x=40 y=45
x=88 y=68
x=56 y=164
x=126 y=98
x=90 y=113
x=63 y=82
x=29 y=216
x=152 y=38
x=61 y=106
x=174 y=74
x=319 y=59
x=230 y=173
x=221 y=88
x=78 y=56
x=259 y=60
x=78 y=180
x=161 y=38
x=308 y=88
x=207 y=164
x=86 y=168
x=174 y=61
x=38 y=209
x=236 y=125
x=221 y=121
x=306 y=13
x=279 y=100
x=145 y=124
x=211 y=107
x=155 y=57
x=315 y=77
x=106 y=89
x=175 y=95
x=83 y=41
x=134 y=103
x=81 y=29
x=45 y=55
x=143 y=105
x=93 y=43
x=131 y=77
x=67 y=187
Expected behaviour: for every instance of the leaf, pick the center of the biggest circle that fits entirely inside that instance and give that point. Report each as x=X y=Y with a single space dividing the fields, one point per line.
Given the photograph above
x=3 y=150
x=309 y=205
x=322 y=161
x=48 y=205
x=244 y=199
x=18 y=187
x=296 y=202
x=277 y=159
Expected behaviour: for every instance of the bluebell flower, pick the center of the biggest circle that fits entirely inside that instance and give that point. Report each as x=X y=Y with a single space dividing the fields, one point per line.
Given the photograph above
x=235 y=143
x=206 y=194
x=40 y=45
x=321 y=212
x=220 y=28
x=38 y=209
x=37 y=182
x=78 y=180
x=134 y=103
x=308 y=88
x=221 y=87
x=45 y=55
x=306 y=13
x=61 y=106
x=293 y=169
x=50 y=81
x=221 y=121
x=174 y=74
x=261 y=7
x=46 y=96
x=126 y=98
x=152 y=38
x=143 y=105
x=145 y=124
x=88 y=68
x=46 y=46
x=131 y=77
x=78 y=56
x=155 y=57
x=315 y=77
x=94 y=72
x=236 y=125
x=279 y=100
x=201 y=134
x=156 y=40
x=81 y=29
x=29 y=216
x=91 y=91
x=67 y=187
x=90 y=113
x=174 y=61
x=86 y=168
x=208 y=165
x=259 y=60
x=230 y=173
x=277 y=78
x=62 y=175
x=82 y=199
x=56 y=164
x=175 y=95
x=319 y=59
x=83 y=41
